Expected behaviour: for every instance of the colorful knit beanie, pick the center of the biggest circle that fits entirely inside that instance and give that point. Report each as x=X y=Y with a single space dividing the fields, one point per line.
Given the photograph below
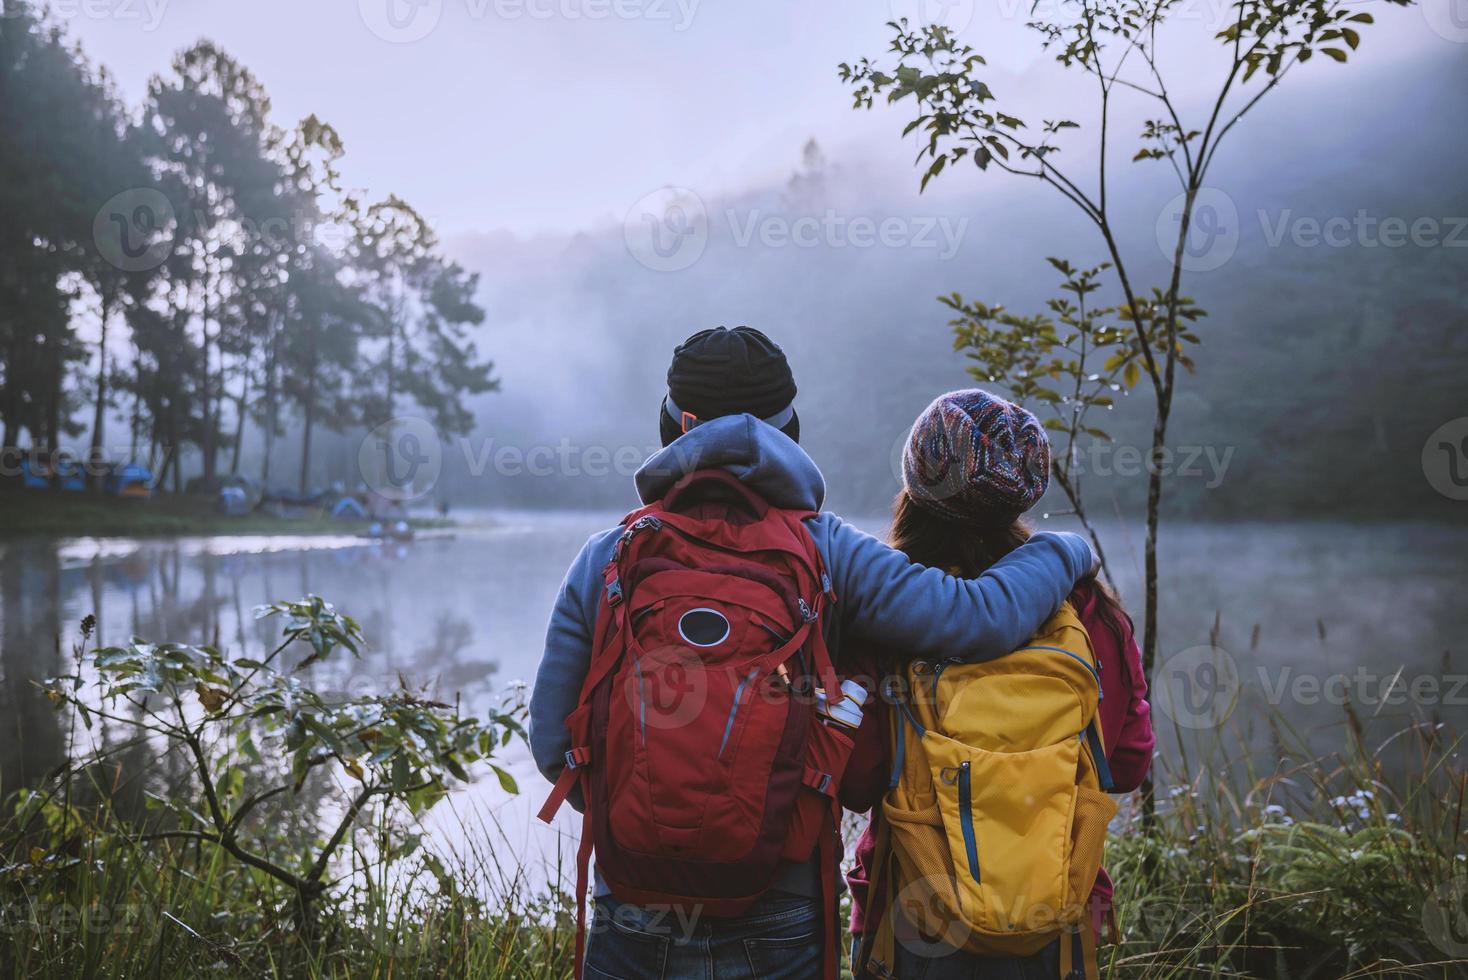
x=975 y=458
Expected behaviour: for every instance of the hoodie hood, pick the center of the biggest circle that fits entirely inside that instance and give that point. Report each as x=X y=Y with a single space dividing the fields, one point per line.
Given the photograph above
x=762 y=457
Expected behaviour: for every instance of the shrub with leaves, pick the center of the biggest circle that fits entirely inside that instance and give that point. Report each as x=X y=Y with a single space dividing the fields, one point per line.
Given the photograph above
x=1062 y=364
x=254 y=733
x=1115 y=48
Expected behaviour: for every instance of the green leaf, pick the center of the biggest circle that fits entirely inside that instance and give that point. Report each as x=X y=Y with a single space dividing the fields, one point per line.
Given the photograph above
x=1335 y=53
x=1132 y=374
x=507 y=782
x=454 y=767
x=301 y=764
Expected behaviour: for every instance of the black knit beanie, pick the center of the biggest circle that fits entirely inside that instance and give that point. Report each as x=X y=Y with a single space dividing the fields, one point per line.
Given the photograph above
x=722 y=372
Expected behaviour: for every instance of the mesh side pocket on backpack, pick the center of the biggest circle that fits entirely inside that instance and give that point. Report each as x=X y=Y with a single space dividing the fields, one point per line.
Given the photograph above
x=1094 y=810
x=919 y=839
x=924 y=895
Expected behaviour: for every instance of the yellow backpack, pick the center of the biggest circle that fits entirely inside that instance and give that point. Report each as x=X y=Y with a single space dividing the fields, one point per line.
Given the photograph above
x=989 y=839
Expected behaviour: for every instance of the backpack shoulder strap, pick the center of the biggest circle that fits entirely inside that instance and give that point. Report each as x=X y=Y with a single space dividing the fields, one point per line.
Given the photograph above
x=875 y=918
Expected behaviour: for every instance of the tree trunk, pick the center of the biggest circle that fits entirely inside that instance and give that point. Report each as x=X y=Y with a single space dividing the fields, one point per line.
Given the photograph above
x=271 y=353
x=99 y=417
x=137 y=422
x=173 y=452
x=310 y=410
x=392 y=360
x=206 y=389
x=306 y=441
x=239 y=424
x=55 y=394
x=1149 y=626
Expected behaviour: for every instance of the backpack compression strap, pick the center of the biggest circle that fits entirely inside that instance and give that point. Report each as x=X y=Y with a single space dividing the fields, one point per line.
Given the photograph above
x=579 y=757
x=876 y=918
x=1086 y=936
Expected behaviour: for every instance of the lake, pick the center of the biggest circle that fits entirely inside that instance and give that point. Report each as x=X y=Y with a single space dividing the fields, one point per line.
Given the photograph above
x=1309 y=615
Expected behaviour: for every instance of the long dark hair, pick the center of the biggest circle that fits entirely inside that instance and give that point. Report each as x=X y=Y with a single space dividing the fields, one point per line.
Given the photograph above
x=967 y=550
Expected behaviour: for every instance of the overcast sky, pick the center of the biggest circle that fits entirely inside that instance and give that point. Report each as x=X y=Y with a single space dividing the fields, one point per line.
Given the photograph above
x=554 y=115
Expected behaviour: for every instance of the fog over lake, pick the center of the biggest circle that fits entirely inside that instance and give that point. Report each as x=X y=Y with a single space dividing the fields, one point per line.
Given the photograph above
x=1341 y=611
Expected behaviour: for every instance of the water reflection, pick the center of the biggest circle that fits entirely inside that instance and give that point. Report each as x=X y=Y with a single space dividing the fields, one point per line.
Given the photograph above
x=465 y=614
x=444 y=612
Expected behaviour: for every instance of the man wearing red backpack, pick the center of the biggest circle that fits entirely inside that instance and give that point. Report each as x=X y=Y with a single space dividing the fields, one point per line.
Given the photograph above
x=689 y=702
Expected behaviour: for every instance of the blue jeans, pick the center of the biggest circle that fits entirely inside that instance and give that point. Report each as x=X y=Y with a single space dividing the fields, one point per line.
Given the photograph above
x=948 y=964
x=779 y=939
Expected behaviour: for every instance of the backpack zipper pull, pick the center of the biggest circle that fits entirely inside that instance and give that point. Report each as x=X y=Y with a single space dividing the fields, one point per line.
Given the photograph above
x=641 y=524
x=805 y=611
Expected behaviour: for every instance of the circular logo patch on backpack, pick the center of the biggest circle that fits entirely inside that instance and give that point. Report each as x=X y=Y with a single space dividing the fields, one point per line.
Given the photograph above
x=703 y=627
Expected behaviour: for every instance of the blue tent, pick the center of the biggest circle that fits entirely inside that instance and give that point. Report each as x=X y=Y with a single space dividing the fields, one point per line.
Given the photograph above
x=129 y=480
x=34 y=475
x=233 y=501
x=70 y=476
x=349 y=509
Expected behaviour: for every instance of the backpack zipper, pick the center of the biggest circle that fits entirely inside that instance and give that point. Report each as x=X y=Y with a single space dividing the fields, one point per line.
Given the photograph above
x=641 y=699
x=1094 y=671
x=966 y=819
x=734 y=710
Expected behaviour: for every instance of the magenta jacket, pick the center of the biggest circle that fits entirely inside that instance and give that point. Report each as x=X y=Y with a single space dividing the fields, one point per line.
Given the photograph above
x=1126 y=726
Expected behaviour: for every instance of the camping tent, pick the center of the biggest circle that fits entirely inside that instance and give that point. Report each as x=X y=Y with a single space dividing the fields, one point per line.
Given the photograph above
x=131 y=480
x=349 y=509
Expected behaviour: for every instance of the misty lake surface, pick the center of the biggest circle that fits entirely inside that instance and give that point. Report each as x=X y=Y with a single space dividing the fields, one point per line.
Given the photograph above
x=1309 y=613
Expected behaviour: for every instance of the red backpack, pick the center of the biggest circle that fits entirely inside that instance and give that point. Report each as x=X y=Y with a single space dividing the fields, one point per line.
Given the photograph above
x=701 y=757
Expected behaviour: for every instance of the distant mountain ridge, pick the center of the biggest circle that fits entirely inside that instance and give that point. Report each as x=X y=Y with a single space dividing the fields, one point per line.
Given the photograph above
x=1324 y=367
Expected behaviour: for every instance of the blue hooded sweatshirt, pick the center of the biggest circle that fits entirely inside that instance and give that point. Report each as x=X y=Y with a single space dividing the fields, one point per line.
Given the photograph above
x=885 y=600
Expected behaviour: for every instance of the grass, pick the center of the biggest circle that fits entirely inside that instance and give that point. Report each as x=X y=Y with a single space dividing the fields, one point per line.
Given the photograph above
x=1333 y=866
x=50 y=514
x=1285 y=865
x=1322 y=867
x=111 y=907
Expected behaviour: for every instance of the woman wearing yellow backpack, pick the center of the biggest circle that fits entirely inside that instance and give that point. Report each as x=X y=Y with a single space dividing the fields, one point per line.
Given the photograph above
x=982 y=858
